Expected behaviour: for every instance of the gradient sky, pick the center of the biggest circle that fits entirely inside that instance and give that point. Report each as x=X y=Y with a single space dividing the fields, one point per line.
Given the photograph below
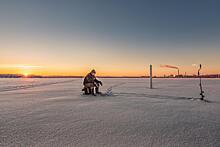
x=116 y=37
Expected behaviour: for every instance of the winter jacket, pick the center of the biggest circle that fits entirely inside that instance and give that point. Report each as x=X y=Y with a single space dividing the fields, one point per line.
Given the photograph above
x=90 y=79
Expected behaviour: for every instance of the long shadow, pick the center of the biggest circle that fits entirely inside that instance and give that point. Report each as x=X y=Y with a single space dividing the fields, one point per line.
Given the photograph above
x=162 y=97
x=110 y=93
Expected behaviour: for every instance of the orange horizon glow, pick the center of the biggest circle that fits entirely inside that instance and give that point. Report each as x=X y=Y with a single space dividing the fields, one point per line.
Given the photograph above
x=77 y=58
x=60 y=71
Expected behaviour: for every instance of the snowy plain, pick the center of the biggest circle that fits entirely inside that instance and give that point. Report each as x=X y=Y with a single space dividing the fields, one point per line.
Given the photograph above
x=55 y=113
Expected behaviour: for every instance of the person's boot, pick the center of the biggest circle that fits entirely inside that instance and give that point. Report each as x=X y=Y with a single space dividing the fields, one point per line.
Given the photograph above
x=97 y=90
x=87 y=91
x=93 y=91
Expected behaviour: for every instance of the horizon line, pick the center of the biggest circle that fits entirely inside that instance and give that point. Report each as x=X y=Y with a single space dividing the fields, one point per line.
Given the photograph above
x=108 y=76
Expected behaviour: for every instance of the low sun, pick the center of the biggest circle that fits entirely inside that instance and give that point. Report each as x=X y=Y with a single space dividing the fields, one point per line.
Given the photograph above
x=25 y=74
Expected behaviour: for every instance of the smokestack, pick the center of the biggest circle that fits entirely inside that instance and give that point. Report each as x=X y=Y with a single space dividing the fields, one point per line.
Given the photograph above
x=170 y=66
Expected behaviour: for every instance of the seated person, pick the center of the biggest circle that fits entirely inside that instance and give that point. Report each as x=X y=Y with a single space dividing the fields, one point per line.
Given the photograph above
x=91 y=84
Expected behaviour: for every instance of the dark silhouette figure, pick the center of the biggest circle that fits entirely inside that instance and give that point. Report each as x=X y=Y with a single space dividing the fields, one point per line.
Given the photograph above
x=200 y=83
x=91 y=84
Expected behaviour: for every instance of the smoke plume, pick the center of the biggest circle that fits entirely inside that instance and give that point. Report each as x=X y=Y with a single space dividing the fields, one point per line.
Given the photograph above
x=169 y=66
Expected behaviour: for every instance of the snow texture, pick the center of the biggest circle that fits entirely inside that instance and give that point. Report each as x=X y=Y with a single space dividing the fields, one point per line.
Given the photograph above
x=55 y=113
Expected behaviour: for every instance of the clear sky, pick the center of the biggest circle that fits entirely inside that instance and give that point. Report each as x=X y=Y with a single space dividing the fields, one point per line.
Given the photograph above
x=116 y=37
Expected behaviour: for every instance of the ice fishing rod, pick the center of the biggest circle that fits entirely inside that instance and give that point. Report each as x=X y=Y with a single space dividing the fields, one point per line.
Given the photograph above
x=200 y=83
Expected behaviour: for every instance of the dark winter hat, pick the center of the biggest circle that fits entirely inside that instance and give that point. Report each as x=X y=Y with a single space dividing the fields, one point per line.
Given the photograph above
x=93 y=71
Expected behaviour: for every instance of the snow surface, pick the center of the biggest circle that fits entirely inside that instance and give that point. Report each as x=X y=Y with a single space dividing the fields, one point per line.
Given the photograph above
x=53 y=112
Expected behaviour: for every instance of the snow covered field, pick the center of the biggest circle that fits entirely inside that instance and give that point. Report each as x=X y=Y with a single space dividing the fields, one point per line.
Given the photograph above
x=53 y=112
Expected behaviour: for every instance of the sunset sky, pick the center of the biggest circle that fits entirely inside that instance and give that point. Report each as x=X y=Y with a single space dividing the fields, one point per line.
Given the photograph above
x=115 y=37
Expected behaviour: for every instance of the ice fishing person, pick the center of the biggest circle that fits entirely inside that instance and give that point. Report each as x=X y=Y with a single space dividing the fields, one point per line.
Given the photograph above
x=91 y=84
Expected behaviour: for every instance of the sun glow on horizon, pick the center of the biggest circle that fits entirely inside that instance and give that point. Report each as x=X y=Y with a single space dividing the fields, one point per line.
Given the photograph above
x=67 y=70
x=26 y=74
